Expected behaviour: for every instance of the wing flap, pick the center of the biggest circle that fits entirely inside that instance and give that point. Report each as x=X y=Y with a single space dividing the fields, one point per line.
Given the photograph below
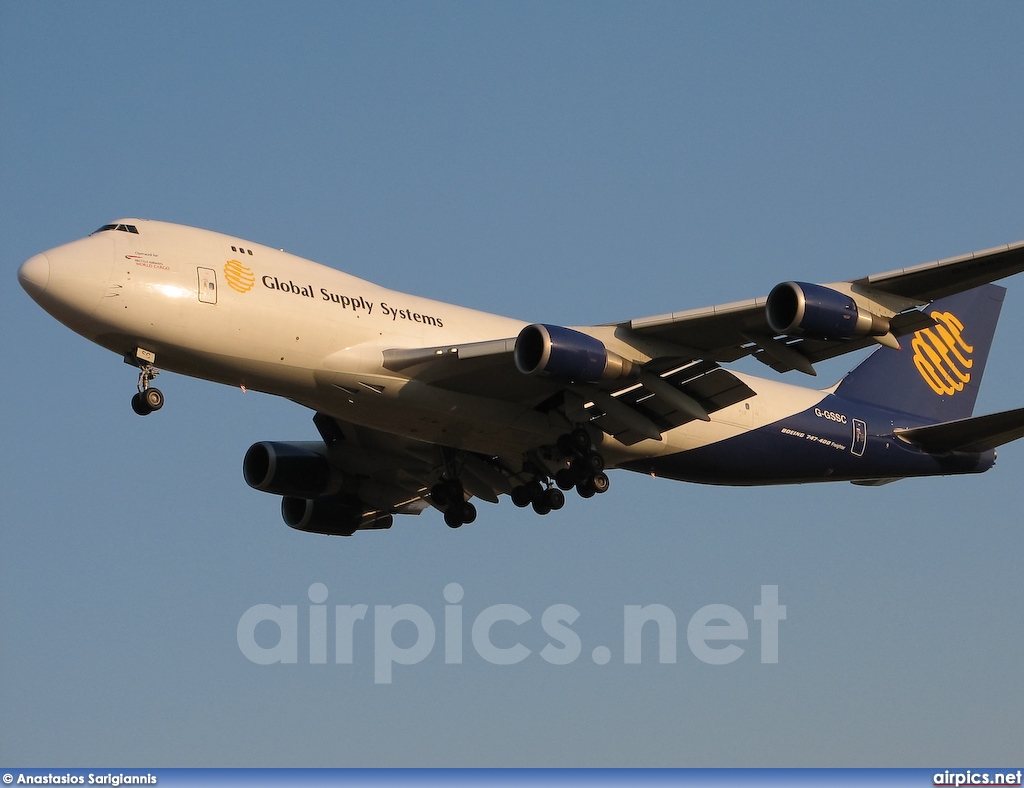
x=392 y=474
x=387 y=472
x=397 y=359
x=483 y=369
x=704 y=382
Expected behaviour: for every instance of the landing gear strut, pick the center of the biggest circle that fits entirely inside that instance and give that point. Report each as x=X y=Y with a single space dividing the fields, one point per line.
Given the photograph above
x=148 y=399
x=586 y=470
x=459 y=514
x=584 y=473
x=543 y=499
x=550 y=500
x=449 y=496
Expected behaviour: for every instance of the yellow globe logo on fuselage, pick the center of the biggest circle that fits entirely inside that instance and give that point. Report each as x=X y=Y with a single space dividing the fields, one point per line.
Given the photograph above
x=941 y=355
x=240 y=278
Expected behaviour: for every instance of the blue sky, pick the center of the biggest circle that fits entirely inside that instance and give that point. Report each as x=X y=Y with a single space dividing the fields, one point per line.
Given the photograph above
x=573 y=163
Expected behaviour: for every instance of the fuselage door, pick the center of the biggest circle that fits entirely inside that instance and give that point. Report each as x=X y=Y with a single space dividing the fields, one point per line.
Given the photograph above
x=207 y=286
x=860 y=438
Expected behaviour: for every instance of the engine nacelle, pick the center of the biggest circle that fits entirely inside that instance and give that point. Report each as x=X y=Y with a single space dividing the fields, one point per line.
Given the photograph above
x=802 y=309
x=294 y=469
x=332 y=515
x=561 y=352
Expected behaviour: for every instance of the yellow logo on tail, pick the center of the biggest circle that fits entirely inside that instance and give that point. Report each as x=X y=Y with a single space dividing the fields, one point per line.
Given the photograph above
x=240 y=278
x=941 y=355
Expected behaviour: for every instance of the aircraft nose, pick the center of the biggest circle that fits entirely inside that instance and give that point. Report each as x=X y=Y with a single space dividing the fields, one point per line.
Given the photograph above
x=34 y=274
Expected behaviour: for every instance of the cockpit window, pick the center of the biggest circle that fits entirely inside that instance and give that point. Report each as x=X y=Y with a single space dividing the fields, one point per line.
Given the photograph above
x=124 y=228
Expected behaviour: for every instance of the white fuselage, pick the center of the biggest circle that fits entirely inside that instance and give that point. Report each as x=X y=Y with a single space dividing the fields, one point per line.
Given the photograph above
x=217 y=307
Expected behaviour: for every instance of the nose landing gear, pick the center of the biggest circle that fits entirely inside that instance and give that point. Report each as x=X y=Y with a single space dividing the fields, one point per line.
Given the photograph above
x=148 y=399
x=145 y=402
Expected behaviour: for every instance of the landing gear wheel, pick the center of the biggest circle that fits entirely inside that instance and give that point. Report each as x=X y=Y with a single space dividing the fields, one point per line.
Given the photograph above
x=541 y=506
x=554 y=498
x=140 y=406
x=593 y=462
x=460 y=514
x=586 y=488
x=535 y=490
x=601 y=482
x=154 y=399
x=580 y=439
x=521 y=496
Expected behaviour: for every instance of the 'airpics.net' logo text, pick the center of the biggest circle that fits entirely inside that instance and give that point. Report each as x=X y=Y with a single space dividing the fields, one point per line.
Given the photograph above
x=714 y=633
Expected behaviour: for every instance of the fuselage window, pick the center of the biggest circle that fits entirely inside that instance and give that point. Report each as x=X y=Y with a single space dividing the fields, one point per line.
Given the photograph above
x=124 y=228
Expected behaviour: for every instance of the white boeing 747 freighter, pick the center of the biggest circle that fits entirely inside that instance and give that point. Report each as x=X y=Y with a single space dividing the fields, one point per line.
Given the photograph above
x=423 y=404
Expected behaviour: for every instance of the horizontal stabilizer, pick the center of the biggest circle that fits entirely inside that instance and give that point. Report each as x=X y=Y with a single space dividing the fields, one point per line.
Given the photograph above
x=975 y=434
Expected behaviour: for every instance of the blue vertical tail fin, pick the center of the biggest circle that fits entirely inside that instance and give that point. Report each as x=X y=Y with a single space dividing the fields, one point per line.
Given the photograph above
x=937 y=373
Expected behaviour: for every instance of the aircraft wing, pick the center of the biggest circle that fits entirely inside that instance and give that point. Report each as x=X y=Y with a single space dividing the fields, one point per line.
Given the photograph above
x=484 y=369
x=730 y=331
x=682 y=380
x=671 y=391
x=391 y=474
x=954 y=275
x=388 y=473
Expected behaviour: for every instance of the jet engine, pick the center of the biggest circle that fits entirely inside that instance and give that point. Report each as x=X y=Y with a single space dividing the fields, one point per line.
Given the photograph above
x=311 y=501
x=802 y=309
x=293 y=469
x=560 y=352
x=332 y=515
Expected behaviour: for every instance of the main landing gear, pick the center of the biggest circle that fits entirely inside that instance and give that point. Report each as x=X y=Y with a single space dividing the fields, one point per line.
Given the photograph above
x=585 y=473
x=544 y=499
x=148 y=399
x=450 y=497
